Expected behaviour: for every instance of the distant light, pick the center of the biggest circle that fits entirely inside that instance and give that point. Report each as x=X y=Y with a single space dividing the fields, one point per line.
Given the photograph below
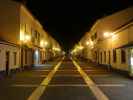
x=87 y=43
x=91 y=43
x=80 y=47
x=42 y=43
x=27 y=37
x=45 y=43
x=106 y=34
x=56 y=49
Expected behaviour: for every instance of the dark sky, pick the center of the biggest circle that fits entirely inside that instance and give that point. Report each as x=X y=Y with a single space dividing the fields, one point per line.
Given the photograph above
x=68 y=20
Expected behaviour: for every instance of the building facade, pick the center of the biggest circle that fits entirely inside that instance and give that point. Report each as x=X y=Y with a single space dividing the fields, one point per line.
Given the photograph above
x=23 y=40
x=110 y=41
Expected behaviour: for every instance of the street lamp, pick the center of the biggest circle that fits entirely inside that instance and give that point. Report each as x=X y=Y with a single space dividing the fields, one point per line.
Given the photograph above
x=87 y=43
x=80 y=47
x=42 y=43
x=24 y=38
x=45 y=43
x=108 y=34
x=27 y=38
x=56 y=49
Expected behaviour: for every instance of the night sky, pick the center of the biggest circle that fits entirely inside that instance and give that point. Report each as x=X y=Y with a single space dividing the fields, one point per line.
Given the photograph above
x=68 y=20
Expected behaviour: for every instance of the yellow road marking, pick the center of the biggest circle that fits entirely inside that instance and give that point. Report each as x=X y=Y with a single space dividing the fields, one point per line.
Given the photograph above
x=36 y=94
x=94 y=88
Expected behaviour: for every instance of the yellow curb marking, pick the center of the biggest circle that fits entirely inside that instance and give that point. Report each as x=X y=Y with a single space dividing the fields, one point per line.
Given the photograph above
x=36 y=94
x=94 y=88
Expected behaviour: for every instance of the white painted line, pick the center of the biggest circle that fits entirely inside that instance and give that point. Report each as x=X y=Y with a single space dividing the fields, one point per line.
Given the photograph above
x=68 y=85
x=36 y=94
x=94 y=88
x=34 y=76
x=41 y=70
x=52 y=85
x=39 y=76
x=24 y=85
x=94 y=70
x=111 y=85
x=102 y=75
x=70 y=75
x=68 y=70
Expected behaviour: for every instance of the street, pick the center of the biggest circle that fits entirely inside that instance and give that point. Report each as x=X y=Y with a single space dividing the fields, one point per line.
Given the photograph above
x=63 y=80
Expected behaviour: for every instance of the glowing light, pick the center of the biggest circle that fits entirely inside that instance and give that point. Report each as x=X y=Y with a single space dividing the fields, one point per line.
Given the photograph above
x=87 y=43
x=36 y=53
x=56 y=49
x=91 y=43
x=132 y=61
x=114 y=37
x=22 y=36
x=27 y=37
x=42 y=43
x=80 y=47
x=108 y=34
x=45 y=43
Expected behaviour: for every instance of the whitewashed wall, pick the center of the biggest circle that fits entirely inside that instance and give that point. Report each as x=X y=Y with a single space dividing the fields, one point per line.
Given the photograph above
x=11 y=49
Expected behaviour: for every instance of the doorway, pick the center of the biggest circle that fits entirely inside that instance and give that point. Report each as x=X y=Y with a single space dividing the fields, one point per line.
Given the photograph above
x=7 y=62
x=36 y=57
x=131 y=63
x=109 y=58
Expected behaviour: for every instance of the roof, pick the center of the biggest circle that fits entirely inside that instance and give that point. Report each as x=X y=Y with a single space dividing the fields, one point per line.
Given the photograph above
x=113 y=22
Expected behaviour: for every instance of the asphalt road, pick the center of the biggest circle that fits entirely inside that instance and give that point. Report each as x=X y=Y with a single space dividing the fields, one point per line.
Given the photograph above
x=65 y=82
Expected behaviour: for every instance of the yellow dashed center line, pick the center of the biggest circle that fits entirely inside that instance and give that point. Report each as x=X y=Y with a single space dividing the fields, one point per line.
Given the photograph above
x=94 y=88
x=36 y=94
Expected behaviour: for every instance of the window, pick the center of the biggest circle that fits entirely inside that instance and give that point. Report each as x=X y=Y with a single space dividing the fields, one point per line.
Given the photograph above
x=123 y=56
x=101 y=57
x=105 y=56
x=26 y=56
x=114 y=55
x=15 y=58
x=94 y=36
x=95 y=55
x=25 y=27
x=109 y=57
